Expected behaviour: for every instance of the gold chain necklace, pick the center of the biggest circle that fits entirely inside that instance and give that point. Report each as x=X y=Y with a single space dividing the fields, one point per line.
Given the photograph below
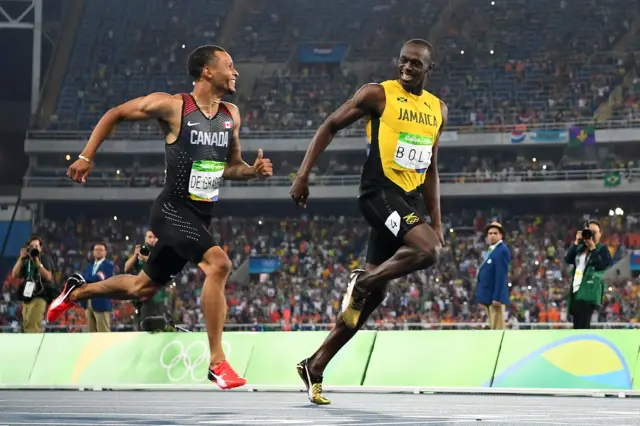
x=209 y=105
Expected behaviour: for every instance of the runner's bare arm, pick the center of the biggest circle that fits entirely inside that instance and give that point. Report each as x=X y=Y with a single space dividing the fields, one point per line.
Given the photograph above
x=367 y=101
x=153 y=106
x=236 y=168
x=431 y=188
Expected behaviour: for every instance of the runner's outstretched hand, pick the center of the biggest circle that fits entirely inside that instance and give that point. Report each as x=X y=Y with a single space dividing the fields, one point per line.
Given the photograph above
x=300 y=191
x=79 y=170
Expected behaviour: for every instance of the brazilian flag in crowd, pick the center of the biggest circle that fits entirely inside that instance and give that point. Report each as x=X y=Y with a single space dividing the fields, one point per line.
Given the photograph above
x=612 y=178
x=582 y=136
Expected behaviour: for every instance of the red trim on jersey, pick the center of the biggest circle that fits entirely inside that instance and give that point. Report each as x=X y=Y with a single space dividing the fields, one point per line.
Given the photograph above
x=225 y=110
x=189 y=105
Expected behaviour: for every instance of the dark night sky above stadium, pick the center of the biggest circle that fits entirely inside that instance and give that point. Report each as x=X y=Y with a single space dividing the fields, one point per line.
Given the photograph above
x=15 y=78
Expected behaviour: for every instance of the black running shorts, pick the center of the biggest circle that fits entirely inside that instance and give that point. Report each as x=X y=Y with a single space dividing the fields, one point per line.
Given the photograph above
x=183 y=236
x=391 y=214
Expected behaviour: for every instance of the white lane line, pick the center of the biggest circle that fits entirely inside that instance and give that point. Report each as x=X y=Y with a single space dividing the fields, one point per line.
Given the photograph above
x=66 y=423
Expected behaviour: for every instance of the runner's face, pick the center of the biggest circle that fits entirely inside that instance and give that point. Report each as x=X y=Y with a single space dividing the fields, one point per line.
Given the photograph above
x=413 y=66
x=224 y=73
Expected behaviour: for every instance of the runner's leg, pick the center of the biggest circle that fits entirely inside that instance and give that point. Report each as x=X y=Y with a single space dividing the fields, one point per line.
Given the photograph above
x=216 y=266
x=119 y=287
x=421 y=251
x=341 y=334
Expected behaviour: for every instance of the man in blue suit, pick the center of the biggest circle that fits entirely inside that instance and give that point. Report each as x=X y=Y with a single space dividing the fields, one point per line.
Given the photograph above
x=492 y=289
x=98 y=310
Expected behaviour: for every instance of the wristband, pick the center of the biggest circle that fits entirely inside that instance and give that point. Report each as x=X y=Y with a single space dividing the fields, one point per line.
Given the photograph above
x=87 y=159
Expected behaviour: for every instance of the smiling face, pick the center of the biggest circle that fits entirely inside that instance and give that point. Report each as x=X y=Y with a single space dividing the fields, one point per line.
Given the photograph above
x=220 y=71
x=414 y=64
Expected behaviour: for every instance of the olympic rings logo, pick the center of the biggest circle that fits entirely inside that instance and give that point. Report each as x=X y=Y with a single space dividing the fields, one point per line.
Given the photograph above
x=191 y=360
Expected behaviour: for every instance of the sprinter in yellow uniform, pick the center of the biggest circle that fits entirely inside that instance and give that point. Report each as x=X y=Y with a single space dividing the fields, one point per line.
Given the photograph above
x=399 y=184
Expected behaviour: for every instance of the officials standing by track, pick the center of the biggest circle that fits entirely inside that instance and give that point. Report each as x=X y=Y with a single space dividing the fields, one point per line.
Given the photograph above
x=492 y=289
x=98 y=310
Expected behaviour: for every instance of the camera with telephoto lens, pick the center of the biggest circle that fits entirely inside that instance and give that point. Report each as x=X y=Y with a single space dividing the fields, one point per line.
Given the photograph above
x=587 y=234
x=145 y=250
x=34 y=252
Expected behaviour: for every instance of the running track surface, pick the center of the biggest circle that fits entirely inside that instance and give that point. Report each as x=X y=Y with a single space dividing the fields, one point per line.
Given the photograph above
x=119 y=408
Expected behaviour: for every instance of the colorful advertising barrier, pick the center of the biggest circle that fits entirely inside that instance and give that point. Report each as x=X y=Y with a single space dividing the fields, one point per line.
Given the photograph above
x=589 y=359
x=275 y=356
x=433 y=358
x=133 y=358
x=17 y=357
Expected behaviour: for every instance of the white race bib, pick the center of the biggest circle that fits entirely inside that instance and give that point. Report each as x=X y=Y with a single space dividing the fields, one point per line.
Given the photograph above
x=413 y=152
x=205 y=180
x=28 y=289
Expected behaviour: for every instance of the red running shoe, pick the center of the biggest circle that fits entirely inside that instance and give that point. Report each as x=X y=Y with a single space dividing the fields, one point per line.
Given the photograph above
x=225 y=376
x=63 y=303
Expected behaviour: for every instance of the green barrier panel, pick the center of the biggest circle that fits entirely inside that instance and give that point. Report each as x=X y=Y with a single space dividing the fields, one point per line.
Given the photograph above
x=578 y=359
x=433 y=358
x=276 y=355
x=636 y=373
x=133 y=358
x=17 y=357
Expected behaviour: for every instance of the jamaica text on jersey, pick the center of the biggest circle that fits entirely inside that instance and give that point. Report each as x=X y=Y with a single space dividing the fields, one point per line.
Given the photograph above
x=401 y=140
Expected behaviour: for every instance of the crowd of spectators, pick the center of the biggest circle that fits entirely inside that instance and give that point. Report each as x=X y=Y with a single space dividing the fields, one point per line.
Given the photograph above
x=317 y=254
x=472 y=166
x=498 y=63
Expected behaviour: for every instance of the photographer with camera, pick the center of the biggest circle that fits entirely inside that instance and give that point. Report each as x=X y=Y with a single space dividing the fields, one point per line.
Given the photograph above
x=149 y=312
x=590 y=259
x=37 y=290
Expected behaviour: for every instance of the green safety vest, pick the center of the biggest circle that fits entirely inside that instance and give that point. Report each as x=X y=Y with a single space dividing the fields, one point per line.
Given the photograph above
x=592 y=287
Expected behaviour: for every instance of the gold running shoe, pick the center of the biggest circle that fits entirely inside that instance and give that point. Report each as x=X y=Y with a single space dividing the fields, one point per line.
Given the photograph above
x=313 y=384
x=353 y=301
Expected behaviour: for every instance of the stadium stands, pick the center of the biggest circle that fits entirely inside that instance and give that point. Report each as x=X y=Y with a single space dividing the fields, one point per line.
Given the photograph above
x=126 y=49
x=317 y=255
x=499 y=63
x=551 y=61
x=338 y=168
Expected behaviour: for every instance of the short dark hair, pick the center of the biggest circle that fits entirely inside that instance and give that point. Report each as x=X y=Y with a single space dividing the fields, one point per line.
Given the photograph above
x=199 y=58
x=34 y=238
x=100 y=243
x=594 y=222
x=425 y=44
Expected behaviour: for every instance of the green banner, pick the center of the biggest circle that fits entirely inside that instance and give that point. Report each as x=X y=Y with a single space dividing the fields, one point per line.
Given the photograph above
x=589 y=359
x=17 y=357
x=593 y=359
x=636 y=373
x=433 y=358
x=276 y=355
x=133 y=358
